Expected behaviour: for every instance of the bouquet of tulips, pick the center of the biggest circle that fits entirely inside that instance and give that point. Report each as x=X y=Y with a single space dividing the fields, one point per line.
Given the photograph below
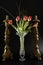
x=23 y=25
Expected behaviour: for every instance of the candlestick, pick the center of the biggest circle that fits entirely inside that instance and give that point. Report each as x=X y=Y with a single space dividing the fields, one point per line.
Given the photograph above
x=37 y=52
x=7 y=53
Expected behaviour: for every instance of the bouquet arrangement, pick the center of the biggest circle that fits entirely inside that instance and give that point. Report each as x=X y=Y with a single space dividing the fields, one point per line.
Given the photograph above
x=22 y=28
x=23 y=25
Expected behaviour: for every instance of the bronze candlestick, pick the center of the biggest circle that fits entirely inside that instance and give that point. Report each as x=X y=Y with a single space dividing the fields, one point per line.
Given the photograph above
x=7 y=53
x=36 y=37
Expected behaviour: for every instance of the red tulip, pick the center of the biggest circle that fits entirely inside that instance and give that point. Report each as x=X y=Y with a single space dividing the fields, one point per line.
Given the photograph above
x=35 y=25
x=9 y=21
x=29 y=18
x=25 y=18
x=17 y=18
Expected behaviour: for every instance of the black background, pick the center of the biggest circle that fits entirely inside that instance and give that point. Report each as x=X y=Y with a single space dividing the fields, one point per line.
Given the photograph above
x=27 y=7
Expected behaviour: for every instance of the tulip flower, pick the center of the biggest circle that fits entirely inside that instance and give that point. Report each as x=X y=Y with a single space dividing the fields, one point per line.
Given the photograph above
x=17 y=18
x=29 y=18
x=25 y=18
x=9 y=21
x=35 y=25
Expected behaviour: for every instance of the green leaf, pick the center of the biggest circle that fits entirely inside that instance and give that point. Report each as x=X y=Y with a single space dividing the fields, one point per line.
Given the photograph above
x=23 y=23
x=26 y=25
x=29 y=28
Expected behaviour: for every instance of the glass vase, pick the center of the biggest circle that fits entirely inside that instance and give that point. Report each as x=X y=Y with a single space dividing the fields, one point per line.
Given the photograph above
x=22 y=50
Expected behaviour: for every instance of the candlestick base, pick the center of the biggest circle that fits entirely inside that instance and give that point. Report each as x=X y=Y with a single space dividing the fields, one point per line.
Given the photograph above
x=7 y=53
x=37 y=52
